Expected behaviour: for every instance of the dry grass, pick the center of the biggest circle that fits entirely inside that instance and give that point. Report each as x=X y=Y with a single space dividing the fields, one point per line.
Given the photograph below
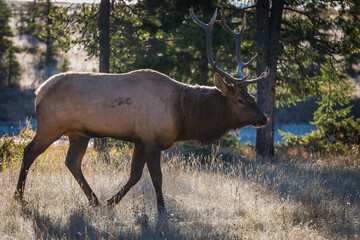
x=241 y=199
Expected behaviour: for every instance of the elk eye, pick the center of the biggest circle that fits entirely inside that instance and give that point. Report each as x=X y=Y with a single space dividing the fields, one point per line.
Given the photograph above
x=240 y=101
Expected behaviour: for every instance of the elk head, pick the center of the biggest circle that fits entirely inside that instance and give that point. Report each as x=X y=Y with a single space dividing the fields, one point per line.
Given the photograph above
x=234 y=89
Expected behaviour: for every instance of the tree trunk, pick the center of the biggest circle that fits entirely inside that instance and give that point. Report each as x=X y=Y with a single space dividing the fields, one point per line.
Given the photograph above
x=203 y=76
x=32 y=14
x=267 y=38
x=100 y=144
x=2 y=81
x=262 y=33
x=104 y=38
x=11 y=56
x=203 y=66
x=48 y=42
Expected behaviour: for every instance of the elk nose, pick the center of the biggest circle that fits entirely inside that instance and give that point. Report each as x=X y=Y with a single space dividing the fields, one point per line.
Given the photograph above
x=262 y=122
x=265 y=120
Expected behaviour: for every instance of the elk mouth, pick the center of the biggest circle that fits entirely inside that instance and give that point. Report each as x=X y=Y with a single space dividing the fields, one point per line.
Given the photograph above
x=259 y=125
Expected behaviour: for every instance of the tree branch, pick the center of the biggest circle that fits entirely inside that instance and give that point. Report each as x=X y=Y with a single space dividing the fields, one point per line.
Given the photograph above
x=305 y=14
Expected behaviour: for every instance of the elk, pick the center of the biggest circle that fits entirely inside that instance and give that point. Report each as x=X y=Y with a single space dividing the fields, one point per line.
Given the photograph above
x=145 y=107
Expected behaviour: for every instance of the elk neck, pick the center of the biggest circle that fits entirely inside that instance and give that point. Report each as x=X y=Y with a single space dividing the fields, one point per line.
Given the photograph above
x=206 y=115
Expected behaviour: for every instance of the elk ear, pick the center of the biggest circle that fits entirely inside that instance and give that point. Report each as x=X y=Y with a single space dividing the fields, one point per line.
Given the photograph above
x=220 y=84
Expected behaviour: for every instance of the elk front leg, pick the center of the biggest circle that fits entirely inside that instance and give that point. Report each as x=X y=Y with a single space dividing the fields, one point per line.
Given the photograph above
x=74 y=157
x=153 y=164
x=137 y=166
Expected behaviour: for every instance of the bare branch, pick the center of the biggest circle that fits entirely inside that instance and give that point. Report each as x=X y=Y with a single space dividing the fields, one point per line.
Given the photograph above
x=320 y=21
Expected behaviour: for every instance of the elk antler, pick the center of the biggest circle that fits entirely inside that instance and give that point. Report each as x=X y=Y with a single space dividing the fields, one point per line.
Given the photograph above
x=208 y=32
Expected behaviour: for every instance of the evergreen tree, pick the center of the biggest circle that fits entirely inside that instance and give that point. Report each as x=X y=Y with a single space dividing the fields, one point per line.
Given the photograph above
x=296 y=39
x=5 y=32
x=9 y=67
x=35 y=20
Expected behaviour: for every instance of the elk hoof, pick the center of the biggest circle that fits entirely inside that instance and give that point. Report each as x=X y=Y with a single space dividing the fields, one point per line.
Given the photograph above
x=19 y=198
x=110 y=202
x=94 y=203
x=162 y=212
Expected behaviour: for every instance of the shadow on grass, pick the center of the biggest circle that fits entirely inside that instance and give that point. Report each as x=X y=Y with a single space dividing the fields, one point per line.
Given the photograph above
x=304 y=180
x=46 y=227
x=330 y=195
x=80 y=226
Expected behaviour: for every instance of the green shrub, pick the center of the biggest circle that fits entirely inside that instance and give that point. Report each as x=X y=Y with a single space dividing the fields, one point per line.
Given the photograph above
x=7 y=146
x=207 y=153
x=64 y=65
x=231 y=140
x=12 y=148
x=337 y=131
x=339 y=137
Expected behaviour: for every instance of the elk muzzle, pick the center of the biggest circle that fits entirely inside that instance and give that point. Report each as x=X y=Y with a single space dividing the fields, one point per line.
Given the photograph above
x=261 y=122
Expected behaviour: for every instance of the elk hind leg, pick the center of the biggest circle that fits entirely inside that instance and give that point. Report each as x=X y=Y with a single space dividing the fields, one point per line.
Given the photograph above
x=74 y=157
x=37 y=146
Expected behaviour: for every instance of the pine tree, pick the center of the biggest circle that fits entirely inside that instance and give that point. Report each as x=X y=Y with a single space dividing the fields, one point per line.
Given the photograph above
x=9 y=66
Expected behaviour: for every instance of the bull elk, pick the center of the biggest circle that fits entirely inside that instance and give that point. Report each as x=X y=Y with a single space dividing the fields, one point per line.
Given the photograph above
x=145 y=107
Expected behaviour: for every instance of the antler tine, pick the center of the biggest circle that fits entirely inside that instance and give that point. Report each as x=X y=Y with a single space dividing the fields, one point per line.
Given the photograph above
x=238 y=38
x=217 y=57
x=208 y=32
x=243 y=26
x=222 y=22
x=262 y=76
x=200 y=23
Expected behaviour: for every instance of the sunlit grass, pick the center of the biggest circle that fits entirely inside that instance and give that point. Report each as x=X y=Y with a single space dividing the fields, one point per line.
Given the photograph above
x=241 y=198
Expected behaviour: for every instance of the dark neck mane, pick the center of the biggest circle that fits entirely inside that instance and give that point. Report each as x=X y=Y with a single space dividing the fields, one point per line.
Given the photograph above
x=205 y=113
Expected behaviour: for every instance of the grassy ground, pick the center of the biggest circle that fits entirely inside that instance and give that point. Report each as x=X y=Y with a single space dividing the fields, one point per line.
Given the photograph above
x=294 y=197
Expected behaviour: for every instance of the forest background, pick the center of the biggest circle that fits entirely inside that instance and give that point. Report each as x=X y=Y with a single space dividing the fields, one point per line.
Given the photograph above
x=312 y=49
x=305 y=187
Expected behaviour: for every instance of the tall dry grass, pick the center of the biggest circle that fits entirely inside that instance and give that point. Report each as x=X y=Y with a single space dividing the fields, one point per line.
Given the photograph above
x=241 y=198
